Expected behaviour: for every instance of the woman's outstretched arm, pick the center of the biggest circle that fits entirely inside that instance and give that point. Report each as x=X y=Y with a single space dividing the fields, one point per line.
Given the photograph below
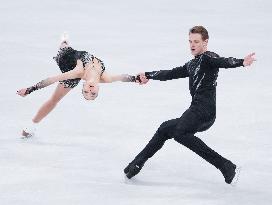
x=75 y=73
x=108 y=78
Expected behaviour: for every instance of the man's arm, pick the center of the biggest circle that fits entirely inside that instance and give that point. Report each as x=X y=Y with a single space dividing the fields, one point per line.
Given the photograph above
x=221 y=62
x=163 y=75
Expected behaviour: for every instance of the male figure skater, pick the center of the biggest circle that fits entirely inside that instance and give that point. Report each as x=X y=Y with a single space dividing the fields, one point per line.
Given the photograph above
x=202 y=71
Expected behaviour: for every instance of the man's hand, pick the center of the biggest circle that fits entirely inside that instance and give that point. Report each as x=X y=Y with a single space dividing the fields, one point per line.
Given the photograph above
x=141 y=78
x=22 y=92
x=248 y=60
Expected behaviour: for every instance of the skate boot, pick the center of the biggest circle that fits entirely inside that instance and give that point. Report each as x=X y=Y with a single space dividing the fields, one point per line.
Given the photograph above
x=64 y=40
x=132 y=169
x=230 y=172
x=29 y=131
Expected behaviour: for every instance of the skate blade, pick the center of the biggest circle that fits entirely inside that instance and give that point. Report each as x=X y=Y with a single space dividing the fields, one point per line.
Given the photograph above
x=236 y=177
x=26 y=135
x=129 y=175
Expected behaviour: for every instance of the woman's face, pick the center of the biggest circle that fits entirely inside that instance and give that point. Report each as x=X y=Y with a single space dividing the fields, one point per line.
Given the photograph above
x=90 y=90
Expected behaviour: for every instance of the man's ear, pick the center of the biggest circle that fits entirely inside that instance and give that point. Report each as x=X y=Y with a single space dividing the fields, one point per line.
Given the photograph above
x=206 y=43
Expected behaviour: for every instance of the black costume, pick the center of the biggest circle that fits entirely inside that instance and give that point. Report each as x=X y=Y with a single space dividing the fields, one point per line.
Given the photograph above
x=202 y=72
x=67 y=59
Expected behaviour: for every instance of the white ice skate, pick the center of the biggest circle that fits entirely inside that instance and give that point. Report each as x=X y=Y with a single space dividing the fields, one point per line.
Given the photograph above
x=64 y=40
x=29 y=131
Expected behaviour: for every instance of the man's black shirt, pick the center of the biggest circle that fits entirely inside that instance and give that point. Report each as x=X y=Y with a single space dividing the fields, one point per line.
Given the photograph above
x=202 y=72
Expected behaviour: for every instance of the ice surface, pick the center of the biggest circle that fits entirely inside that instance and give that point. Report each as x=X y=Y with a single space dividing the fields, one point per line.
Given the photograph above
x=81 y=148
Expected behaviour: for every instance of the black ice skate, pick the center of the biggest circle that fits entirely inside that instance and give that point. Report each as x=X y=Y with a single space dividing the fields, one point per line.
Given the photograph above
x=230 y=172
x=132 y=169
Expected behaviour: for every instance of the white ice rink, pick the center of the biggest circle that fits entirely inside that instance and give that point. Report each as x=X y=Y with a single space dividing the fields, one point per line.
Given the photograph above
x=81 y=148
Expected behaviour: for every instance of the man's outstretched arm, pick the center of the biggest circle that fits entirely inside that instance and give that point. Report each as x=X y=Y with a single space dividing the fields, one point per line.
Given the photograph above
x=163 y=75
x=221 y=62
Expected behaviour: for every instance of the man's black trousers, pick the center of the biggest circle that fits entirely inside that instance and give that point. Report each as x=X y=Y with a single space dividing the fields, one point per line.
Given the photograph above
x=183 y=131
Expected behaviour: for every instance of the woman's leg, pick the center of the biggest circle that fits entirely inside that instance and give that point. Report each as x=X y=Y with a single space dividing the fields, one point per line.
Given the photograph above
x=49 y=105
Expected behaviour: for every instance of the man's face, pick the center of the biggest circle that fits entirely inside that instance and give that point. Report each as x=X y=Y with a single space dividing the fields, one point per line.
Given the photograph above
x=197 y=45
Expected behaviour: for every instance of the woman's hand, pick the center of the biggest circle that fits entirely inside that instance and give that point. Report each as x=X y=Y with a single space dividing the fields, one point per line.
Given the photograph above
x=143 y=79
x=22 y=92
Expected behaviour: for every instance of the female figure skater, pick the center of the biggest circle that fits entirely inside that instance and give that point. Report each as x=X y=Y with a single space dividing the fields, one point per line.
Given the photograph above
x=74 y=65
